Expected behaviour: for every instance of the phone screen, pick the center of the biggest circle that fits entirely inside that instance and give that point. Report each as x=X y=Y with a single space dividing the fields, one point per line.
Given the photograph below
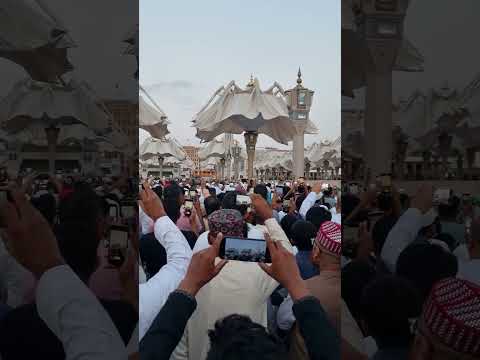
x=286 y=203
x=243 y=200
x=251 y=250
x=193 y=194
x=189 y=205
x=112 y=212
x=118 y=238
x=128 y=211
x=279 y=190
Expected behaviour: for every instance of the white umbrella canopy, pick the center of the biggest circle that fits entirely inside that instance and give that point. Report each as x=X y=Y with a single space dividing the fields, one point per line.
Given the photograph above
x=215 y=148
x=154 y=148
x=324 y=150
x=51 y=105
x=32 y=37
x=238 y=110
x=151 y=117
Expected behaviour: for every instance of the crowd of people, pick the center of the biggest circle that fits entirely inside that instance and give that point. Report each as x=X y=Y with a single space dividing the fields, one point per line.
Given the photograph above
x=197 y=304
x=107 y=268
x=410 y=275
x=64 y=294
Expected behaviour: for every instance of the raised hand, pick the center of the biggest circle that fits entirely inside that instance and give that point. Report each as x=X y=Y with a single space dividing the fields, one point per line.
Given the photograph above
x=262 y=208
x=202 y=268
x=29 y=236
x=151 y=203
x=284 y=269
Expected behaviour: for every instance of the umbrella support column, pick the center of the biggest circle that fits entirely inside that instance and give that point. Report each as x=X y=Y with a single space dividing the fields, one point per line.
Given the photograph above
x=299 y=150
x=250 y=141
x=160 y=165
x=222 y=169
x=52 y=138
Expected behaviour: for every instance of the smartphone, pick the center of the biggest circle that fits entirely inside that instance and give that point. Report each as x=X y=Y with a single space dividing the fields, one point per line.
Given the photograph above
x=251 y=191
x=243 y=200
x=112 y=212
x=286 y=203
x=251 y=250
x=193 y=194
x=117 y=245
x=279 y=190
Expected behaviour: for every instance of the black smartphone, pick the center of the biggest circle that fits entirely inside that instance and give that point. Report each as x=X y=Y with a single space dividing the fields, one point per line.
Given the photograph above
x=251 y=250
x=279 y=190
x=188 y=207
x=117 y=245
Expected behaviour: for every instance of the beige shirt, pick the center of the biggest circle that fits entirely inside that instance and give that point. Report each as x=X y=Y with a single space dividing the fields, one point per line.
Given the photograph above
x=241 y=288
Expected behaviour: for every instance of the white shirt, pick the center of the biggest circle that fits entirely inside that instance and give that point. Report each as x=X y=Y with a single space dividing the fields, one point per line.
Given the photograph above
x=154 y=293
x=309 y=201
x=74 y=314
x=14 y=277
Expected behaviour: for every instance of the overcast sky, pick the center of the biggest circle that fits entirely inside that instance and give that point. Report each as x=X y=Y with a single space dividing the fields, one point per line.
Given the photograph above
x=188 y=49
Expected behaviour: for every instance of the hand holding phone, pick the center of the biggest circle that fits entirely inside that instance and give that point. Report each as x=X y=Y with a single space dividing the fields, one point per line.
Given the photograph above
x=284 y=269
x=188 y=207
x=117 y=245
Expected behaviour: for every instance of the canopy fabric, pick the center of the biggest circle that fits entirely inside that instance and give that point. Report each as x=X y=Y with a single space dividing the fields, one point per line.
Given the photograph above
x=152 y=148
x=324 y=150
x=29 y=24
x=237 y=110
x=215 y=148
x=151 y=118
x=51 y=105
x=33 y=38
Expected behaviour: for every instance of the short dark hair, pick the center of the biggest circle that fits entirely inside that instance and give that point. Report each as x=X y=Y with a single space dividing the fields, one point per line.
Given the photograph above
x=211 y=204
x=286 y=223
x=302 y=234
x=229 y=201
x=171 y=201
x=387 y=305
x=262 y=190
x=424 y=264
x=237 y=337
x=317 y=215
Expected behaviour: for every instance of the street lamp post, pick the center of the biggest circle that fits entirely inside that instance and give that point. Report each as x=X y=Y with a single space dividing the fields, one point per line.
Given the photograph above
x=251 y=138
x=299 y=101
x=236 y=149
x=381 y=26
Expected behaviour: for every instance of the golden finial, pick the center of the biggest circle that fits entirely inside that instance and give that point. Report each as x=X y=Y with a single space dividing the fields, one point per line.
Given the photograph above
x=299 y=77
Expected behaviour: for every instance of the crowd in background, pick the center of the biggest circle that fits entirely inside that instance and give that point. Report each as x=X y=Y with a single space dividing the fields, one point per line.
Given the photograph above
x=56 y=309
x=411 y=273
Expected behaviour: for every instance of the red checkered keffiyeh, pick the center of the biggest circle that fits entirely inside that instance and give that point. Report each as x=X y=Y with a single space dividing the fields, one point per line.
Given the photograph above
x=329 y=238
x=452 y=315
x=227 y=221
